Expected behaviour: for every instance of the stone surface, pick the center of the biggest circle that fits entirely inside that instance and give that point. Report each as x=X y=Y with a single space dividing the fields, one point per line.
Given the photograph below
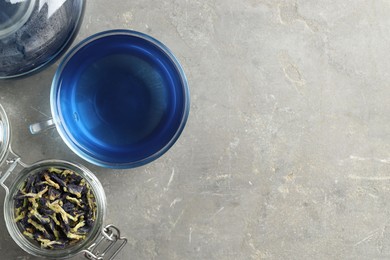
x=286 y=154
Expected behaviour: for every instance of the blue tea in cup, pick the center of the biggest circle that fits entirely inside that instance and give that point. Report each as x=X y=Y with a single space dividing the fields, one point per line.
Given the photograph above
x=119 y=99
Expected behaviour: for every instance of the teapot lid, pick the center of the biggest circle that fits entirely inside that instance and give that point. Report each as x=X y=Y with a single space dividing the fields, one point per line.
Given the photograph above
x=34 y=33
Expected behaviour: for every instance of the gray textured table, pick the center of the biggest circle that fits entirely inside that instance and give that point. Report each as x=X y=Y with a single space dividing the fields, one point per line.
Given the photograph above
x=286 y=153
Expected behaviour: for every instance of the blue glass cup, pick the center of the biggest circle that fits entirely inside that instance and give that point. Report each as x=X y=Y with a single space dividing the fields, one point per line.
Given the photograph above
x=119 y=99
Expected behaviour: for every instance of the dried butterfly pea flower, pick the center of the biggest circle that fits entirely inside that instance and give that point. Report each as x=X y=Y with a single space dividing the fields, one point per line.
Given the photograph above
x=84 y=230
x=66 y=173
x=75 y=236
x=76 y=179
x=52 y=169
x=64 y=225
x=78 y=226
x=35 y=195
x=33 y=204
x=62 y=244
x=54 y=218
x=44 y=210
x=29 y=184
x=57 y=179
x=51 y=182
x=39 y=217
x=20 y=205
x=20 y=216
x=54 y=194
x=75 y=201
x=55 y=207
x=74 y=189
x=23 y=222
x=47 y=242
x=68 y=207
x=51 y=227
x=36 y=225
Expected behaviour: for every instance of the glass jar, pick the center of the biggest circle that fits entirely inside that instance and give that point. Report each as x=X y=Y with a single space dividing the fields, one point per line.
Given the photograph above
x=35 y=33
x=100 y=243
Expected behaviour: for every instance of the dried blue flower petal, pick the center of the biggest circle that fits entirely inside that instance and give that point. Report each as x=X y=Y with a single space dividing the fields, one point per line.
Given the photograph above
x=19 y=198
x=24 y=223
x=44 y=210
x=57 y=179
x=56 y=207
x=29 y=183
x=61 y=244
x=36 y=225
x=75 y=189
x=54 y=194
x=68 y=207
x=51 y=227
x=33 y=189
x=41 y=219
x=64 y=225
x=90 y=221
x=76 y=179
x=84 y=230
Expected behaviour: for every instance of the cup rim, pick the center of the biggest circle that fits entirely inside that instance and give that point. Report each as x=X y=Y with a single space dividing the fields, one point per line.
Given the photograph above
x=69 y=139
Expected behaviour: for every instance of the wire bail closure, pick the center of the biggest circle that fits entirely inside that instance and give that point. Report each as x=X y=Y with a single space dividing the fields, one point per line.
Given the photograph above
x=13 y=159
x=111 y=236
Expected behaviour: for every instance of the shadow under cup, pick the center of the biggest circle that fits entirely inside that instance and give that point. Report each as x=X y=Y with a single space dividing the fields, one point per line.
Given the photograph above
x=120 y=99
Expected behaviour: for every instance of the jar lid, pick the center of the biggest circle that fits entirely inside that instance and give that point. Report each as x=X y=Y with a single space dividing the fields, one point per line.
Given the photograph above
x=4 y=135
x=34 y=33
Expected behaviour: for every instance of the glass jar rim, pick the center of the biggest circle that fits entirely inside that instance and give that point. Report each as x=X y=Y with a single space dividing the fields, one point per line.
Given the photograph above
x=23 y=15
x=5 y=135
